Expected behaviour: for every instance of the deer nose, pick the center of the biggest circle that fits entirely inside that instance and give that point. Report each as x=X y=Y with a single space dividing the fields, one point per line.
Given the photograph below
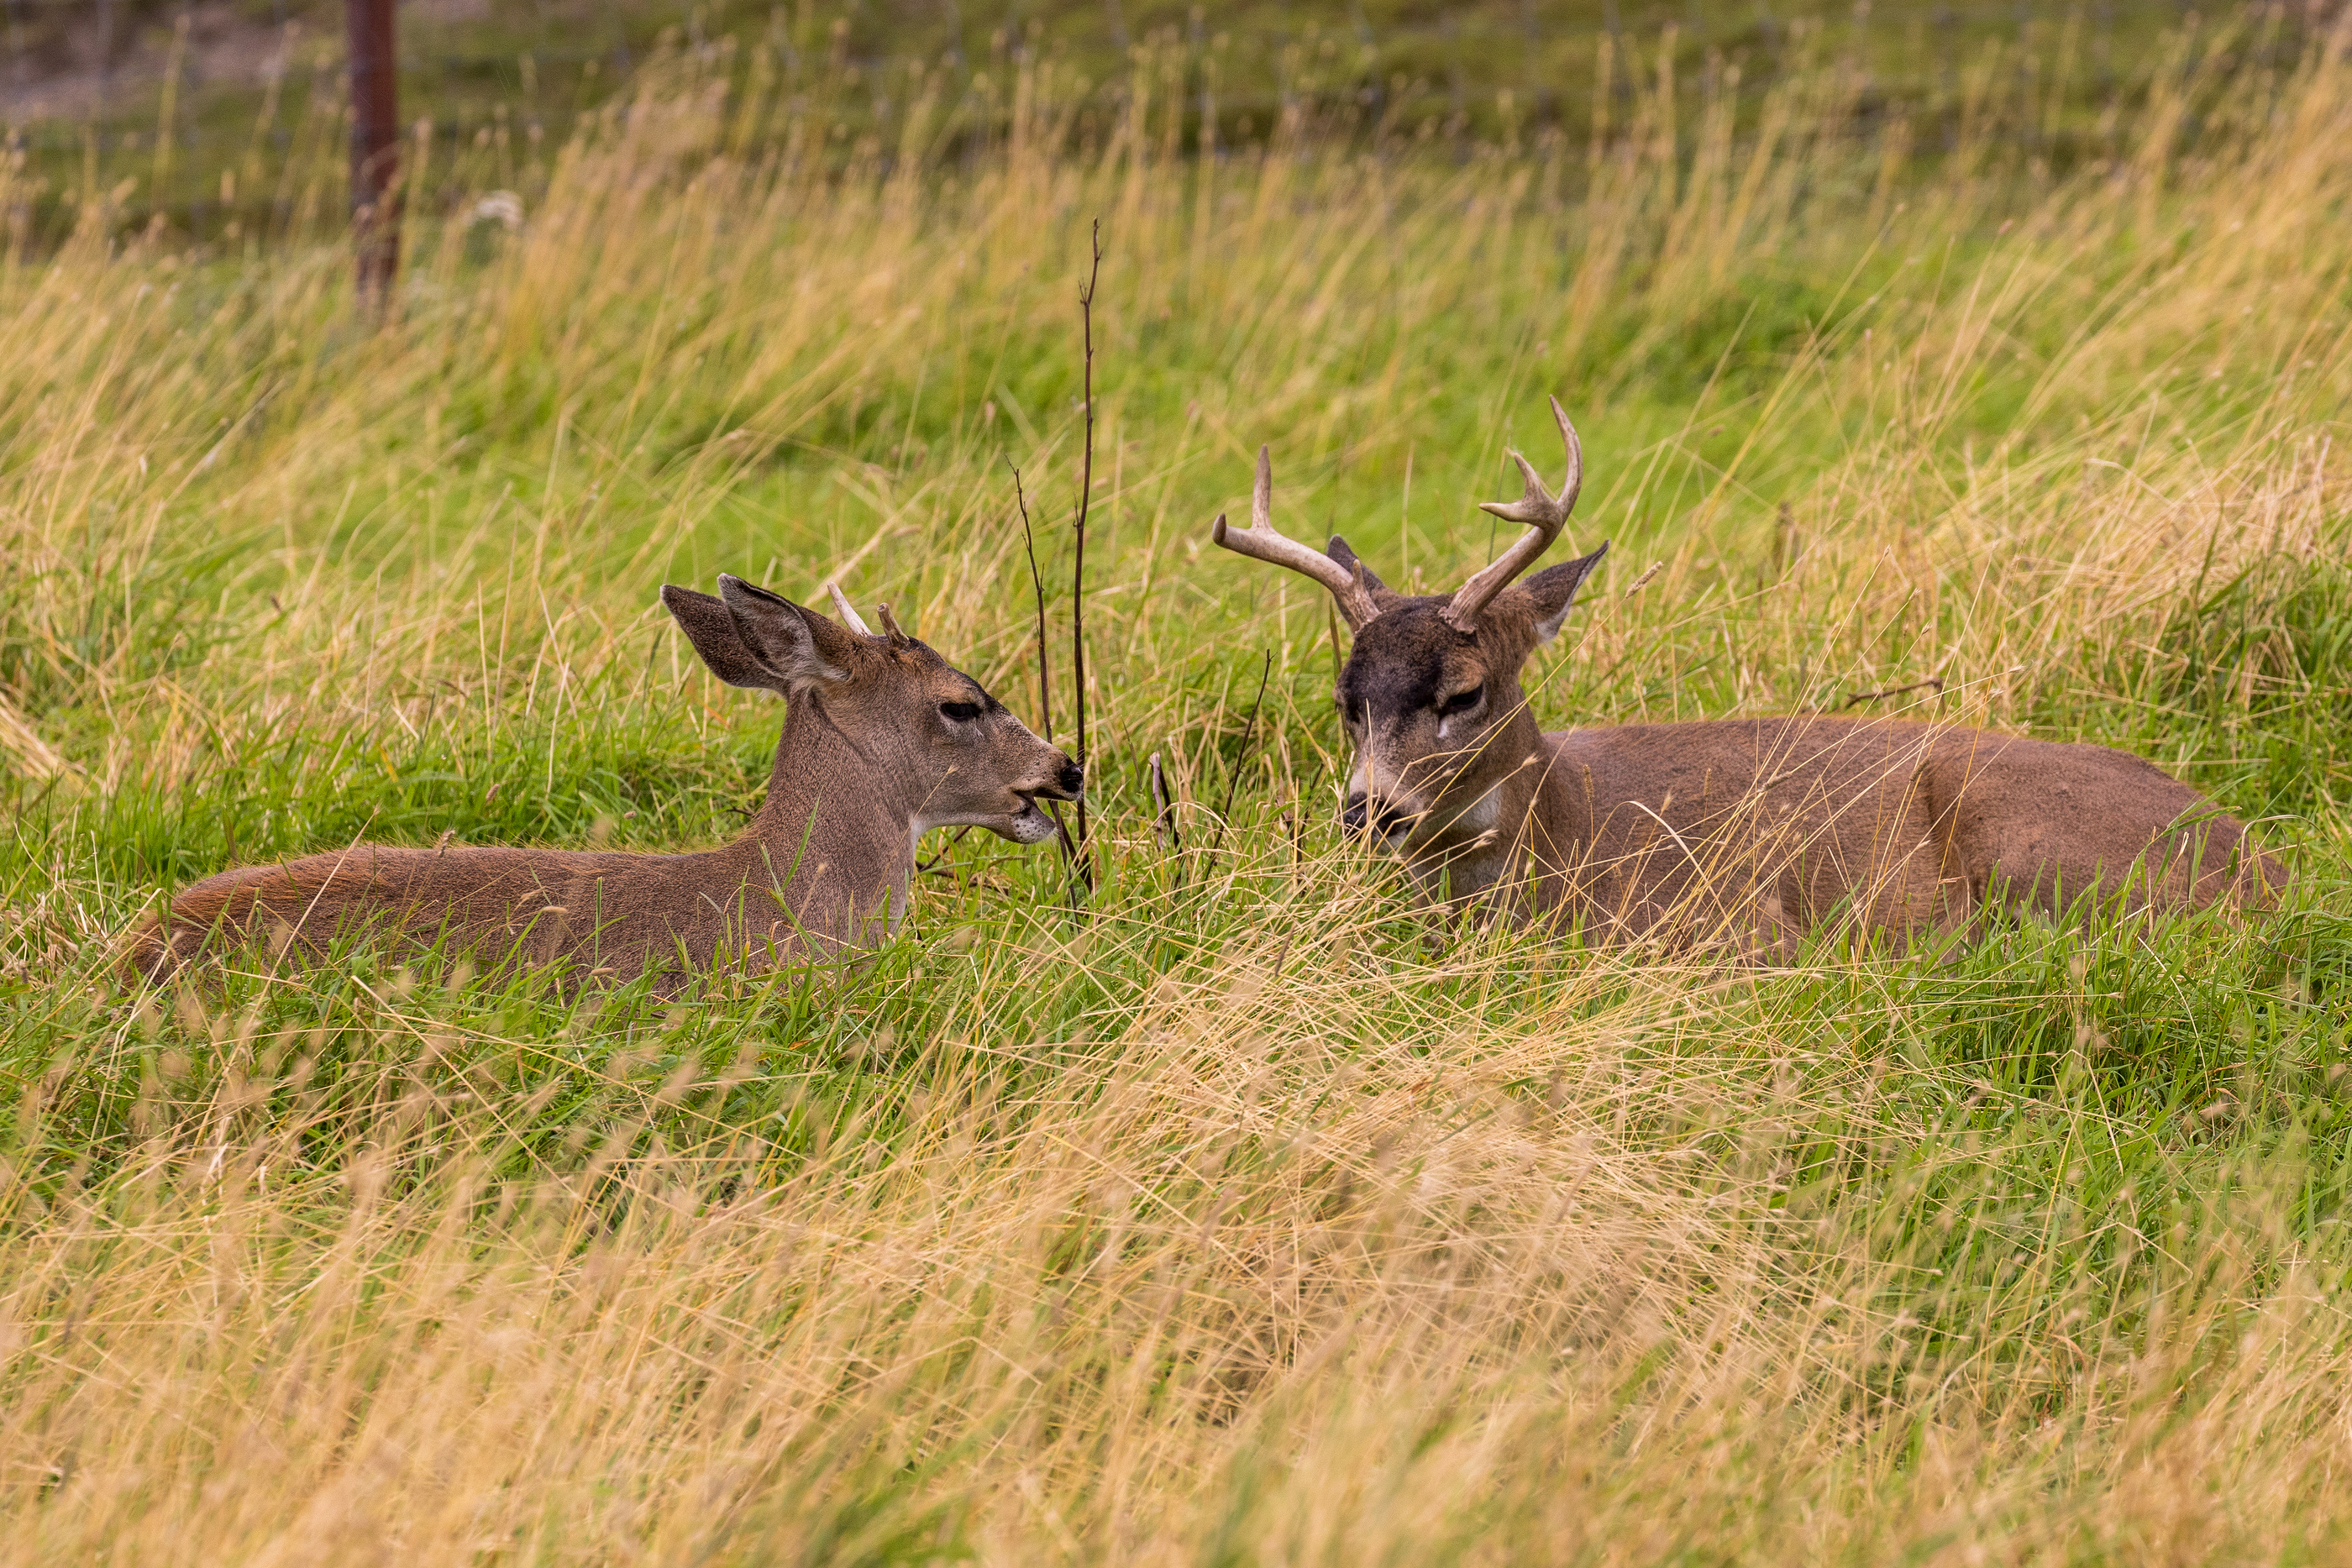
x=1382 y=817
x=1073 y=778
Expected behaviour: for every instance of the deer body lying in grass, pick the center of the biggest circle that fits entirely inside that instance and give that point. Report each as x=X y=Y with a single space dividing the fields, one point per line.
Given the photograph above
x=883 y=739
x=1763 y=828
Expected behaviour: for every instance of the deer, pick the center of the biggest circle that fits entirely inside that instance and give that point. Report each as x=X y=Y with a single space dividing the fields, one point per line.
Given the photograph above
x=1761 y=830
x=883 y=740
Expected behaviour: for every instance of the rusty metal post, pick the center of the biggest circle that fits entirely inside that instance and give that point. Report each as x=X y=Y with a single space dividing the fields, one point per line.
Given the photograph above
x=375 y=146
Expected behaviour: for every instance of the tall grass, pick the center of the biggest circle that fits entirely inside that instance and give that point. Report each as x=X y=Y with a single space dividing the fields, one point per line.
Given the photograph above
x=1246 y=1216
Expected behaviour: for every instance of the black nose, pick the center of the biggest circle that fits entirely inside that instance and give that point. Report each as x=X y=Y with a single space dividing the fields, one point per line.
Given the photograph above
x=1381 y=816
x=1072 y=777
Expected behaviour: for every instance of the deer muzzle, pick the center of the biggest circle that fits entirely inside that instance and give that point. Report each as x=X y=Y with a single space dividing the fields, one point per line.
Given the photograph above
x=1383 y=818
x=1029 y=825
x=1068 y=782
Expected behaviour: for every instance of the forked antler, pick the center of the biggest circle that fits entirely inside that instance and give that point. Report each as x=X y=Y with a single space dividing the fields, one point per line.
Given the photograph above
x=1260 y=540
x=1545 y=515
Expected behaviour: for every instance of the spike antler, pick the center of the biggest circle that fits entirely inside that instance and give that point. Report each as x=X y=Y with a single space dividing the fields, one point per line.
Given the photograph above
x=841 y=606
x=1545 y=515
x=1260 y=541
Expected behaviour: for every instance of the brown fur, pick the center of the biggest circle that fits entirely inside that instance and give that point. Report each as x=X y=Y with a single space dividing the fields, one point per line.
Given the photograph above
x=1768 y=826
x=867 y=760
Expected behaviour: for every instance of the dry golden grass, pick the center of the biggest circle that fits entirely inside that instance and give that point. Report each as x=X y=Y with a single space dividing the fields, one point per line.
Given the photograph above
x=1230 y=1283
x=1242 y=1219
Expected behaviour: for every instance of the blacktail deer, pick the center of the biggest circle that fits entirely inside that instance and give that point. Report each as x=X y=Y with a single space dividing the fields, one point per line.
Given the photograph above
x=883 y=739
x=1762 y=827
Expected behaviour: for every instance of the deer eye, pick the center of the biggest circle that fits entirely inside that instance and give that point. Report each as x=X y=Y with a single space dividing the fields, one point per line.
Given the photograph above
x=1462 y=702
x=961 y=713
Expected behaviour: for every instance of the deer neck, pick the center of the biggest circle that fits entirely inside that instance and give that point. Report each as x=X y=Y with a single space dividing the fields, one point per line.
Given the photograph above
x=1480 y=826
x=836 y=834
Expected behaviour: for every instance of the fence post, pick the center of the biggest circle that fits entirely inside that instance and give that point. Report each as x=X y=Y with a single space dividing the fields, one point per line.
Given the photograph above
x=375 y=147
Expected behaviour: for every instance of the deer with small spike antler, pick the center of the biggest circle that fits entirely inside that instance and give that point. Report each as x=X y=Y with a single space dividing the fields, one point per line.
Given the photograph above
x=1764 y=827
x=883 y=739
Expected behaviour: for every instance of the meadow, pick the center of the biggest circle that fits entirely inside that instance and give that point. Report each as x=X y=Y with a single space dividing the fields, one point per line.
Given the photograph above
x=1234 y=1213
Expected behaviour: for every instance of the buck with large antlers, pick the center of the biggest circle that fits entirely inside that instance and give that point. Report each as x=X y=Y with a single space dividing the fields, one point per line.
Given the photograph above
x=882 y=740
x=1764 y=827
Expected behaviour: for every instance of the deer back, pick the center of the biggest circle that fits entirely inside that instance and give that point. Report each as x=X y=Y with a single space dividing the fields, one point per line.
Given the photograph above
x=883 y=739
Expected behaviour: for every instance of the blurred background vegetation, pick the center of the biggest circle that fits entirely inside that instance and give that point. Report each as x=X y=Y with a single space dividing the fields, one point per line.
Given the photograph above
x=190 y=115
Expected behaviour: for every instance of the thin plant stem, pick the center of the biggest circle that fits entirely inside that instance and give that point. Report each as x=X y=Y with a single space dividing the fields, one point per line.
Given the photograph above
x=1037 y=585
x=1164 y=806
x=1045 y=671
x=1249 y=731
x=1085 y=868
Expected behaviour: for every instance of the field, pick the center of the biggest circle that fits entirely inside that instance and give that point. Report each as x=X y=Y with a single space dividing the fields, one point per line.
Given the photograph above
x=1235 y=1214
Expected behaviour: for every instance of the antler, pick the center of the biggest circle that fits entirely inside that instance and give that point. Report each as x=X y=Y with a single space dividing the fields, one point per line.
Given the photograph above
x=1545 y=515
x=841 y=607
x=1260 y=540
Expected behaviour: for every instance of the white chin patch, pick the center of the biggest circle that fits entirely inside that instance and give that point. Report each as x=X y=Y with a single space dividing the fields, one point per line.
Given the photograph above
x=1026 y=826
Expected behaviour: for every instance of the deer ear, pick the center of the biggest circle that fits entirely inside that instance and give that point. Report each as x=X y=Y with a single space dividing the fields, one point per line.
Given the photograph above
x=1554 y=590
x=1338 y=550
x=712 y=632
x=796 y=647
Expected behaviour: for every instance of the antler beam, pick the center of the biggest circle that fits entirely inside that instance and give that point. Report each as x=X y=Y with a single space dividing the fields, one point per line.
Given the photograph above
x=1261 y=542
x=841 y=607
x=1545 y=515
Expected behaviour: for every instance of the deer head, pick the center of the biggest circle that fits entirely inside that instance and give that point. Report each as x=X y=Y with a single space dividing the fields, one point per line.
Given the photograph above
x=1429 y=694
x=947 y=751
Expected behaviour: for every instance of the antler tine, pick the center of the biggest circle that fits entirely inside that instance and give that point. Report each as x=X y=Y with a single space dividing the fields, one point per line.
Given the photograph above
x=890 y=627
x=1545 y=515
x=1260 y=542
x=841 y=607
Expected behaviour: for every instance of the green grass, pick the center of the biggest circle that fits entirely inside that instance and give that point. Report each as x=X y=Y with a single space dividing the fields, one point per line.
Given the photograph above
x=1246 y=1215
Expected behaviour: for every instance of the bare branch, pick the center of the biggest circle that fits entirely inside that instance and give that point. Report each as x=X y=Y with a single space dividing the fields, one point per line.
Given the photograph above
x=1163 y=808
x=1249 y=730
x=1044 y=673
x=1037 y=583
x=1085 y=866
